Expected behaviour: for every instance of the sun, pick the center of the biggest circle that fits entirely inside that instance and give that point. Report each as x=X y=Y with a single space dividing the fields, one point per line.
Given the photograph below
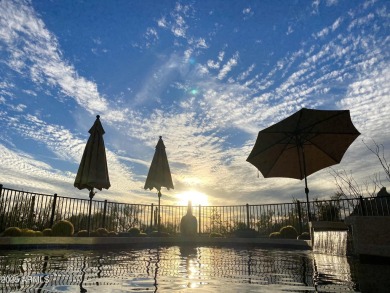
x=196 y=197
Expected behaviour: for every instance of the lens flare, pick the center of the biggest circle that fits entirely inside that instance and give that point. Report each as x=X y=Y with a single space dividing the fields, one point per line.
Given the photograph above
x=196 y=197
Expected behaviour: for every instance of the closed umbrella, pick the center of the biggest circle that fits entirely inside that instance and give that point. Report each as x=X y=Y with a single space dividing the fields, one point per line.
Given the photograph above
x=159 y=174
x=93 y=171
x=303 y=143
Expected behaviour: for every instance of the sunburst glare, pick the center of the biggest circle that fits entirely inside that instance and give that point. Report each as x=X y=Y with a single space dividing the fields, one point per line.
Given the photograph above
x=196 y=197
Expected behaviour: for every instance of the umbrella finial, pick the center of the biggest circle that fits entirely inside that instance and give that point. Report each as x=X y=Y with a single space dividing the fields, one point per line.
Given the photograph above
x=97 y=117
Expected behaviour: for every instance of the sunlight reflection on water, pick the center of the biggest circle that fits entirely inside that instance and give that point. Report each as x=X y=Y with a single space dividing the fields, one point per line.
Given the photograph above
x=166 y=269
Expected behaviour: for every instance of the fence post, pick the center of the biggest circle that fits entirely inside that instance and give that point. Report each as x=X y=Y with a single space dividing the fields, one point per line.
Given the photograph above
x=299 y=216
x=155 y=217
x=362 y=205
x=200 y=220
x=247 y=217
x=53 y=210
x=31 y=213
x=151 y=215
x=1 y=208
x=104 y=213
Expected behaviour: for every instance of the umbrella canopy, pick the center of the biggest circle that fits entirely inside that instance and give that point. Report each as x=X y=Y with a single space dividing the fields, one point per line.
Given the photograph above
x=303 y=143
x=93 y=171
x=159 y=173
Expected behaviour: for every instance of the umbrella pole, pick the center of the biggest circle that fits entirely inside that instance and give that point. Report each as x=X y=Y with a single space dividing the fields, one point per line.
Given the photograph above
x=306 y=189
x=91 y=194
x=159 y=217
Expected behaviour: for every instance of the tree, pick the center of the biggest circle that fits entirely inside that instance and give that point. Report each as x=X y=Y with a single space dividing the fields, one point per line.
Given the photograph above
x=350 y=188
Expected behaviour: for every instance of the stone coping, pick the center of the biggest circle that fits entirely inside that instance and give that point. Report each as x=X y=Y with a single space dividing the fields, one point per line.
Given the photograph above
x=328 y=226
x=141 y=242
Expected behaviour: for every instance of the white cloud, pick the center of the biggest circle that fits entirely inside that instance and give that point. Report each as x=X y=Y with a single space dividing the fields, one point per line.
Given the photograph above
x=33 y=48
x=331 y=2
x=228 y=66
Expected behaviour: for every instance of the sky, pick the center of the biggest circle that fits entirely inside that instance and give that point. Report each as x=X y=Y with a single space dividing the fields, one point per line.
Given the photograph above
x=207 y=76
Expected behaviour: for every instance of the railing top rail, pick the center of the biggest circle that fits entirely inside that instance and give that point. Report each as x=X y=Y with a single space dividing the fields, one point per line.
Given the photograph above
x=195 y=206
x=28 y=192
x=351 y=199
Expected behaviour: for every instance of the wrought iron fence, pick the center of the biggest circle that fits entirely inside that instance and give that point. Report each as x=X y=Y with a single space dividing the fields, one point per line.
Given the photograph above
x=38 y=211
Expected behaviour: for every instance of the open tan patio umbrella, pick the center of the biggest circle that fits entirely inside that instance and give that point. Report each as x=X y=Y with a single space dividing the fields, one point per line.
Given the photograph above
x=93 y=171
x=303 y=143
x=159 y=174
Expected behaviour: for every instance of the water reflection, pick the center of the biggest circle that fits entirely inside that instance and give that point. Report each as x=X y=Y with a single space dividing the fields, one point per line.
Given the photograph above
x=166 y=269
x=334 y=271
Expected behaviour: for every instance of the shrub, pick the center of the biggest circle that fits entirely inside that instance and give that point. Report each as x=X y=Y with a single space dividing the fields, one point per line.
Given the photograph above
x=94 y=234
x=12 y=232
x=27 y=233
x=304 y=236
x=102 y=232
x=288 y=232
x=161 y=234
x=240 y=226
x=112 y=234
x=38 y=233
x=274 y=235
x=246 y=233
x=142 y=234
x=47 y=232
x=215 y=235
x=134 y=231
x=62 y=228
x=82 y=233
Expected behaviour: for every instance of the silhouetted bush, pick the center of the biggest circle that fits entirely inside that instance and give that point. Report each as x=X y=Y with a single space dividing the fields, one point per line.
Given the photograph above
x=94 y=234
x=103 y=232
x=38 y=233
x=215 y=235
x=275 y=235
x=82 y=233
x=288 y=232
x=304 y=236
x=62 y=228
x=27 y=233
x=47 y=232
x=12 y=232
x=157 y=234
x=112 y=234
x=134 y=231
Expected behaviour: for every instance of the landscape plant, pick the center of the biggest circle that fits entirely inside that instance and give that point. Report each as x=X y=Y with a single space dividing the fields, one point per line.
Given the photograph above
x=102 y=232
x=12 y=232
x=28 y=232
x=274 y=235
x=288 y=232
x=304 y=236
x=62 y=228
x=82 y=233
x=134 y=231
x=47 y=232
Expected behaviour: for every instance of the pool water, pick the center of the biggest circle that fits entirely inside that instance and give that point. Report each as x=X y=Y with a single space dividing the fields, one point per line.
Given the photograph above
x=183 y=269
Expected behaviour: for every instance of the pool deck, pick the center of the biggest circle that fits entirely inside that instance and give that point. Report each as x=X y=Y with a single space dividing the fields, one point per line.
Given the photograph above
x=20 y=243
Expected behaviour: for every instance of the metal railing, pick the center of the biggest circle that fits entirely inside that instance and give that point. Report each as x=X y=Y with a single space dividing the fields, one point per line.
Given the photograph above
x=39 y=211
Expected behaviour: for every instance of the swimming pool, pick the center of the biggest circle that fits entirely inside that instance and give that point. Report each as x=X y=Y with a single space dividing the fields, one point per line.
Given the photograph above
x=182 y=269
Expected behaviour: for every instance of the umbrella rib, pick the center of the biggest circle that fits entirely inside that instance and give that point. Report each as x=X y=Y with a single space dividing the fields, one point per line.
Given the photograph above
x=321 y=121
x=322 y=150
x=287 y=135
x=283 y=149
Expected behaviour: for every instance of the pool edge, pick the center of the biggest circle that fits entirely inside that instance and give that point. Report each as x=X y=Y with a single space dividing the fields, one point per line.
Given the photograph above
x=20 y=243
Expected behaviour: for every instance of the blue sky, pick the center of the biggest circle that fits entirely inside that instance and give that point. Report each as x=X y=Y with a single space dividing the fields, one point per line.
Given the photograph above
x=206 y=75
